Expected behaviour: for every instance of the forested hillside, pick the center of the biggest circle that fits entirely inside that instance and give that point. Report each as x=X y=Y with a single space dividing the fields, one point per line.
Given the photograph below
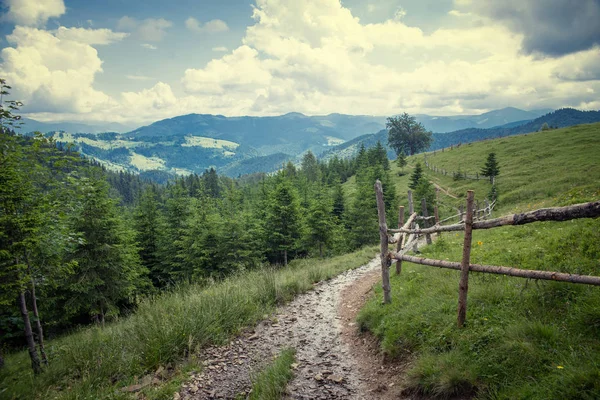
x=92 y=243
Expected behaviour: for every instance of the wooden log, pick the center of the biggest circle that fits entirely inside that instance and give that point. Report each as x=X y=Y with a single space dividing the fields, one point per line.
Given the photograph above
x=425 y=215
x=463 y=286
x=385 y=260
x=433 y=229
x=508 y=271
x=584 y=210
x=399 y=245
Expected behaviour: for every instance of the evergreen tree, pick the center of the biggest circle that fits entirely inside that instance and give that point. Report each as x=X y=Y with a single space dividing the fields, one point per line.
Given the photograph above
x=173 y=227
x=319 y=222
x=338 y=202
x=147 y=217
x=362 y=216
x=108 y=270
x=416 y=176
x=310 y=167
x=425 y=190
x=283 y=219
x=401 y=160
x=491 y=168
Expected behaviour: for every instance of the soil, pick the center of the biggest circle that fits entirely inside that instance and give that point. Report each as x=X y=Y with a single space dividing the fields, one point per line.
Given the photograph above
x=333 y=359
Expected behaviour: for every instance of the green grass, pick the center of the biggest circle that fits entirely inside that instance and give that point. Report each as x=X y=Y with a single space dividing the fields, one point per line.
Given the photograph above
x=95 y=362
x=270 y=383
x=523 y=339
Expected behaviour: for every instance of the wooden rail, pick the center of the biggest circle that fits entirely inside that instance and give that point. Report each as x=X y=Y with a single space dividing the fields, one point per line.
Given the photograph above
x=406 y=237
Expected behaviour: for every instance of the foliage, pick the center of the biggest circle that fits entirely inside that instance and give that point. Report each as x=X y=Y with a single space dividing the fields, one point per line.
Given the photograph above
x=416 y=176
x=491 y=168
x=406 y=135
x=522 y=340
x=97 y=361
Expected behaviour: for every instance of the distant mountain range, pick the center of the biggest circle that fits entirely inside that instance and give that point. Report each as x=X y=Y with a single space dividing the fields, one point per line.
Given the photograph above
x=240 y=145
x=483 y=121
x=31 y=125
x=556 y=119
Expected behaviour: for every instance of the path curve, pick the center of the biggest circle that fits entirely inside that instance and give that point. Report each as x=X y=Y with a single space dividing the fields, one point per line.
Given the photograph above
x=311 y=323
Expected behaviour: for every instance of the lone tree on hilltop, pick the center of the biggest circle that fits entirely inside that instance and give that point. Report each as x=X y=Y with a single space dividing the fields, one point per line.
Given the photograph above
x=407 y=135
x=491 y=168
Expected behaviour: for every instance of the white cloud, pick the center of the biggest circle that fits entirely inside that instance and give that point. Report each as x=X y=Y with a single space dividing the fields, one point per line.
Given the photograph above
x=148 y=30
x=212 y=26
x=89 y=36
x=149 y=46
x=34 y=12
x=313 y=57
x=52 y=72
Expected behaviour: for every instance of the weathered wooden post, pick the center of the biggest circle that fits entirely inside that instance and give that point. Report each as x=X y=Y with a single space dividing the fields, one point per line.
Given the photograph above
x=383 y=236
x=463 y=286
x=425 y=221
x=435 y=209
x=400 y=239
x=411 y=210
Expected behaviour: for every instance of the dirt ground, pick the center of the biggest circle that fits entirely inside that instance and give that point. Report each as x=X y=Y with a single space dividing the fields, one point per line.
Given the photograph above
x=333 y=359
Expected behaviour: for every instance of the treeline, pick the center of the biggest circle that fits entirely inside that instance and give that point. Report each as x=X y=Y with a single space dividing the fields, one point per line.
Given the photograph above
x=80 y=245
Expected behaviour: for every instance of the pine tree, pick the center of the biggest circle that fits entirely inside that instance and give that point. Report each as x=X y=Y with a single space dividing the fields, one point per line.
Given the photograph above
x=147 y=217
x=108 y=267
x=339 y=206
x=416 y=176
x=401 y=160
x=173 y=227
x=283 y=219
x=310 y=167
x=491 y=168
x=319 y=222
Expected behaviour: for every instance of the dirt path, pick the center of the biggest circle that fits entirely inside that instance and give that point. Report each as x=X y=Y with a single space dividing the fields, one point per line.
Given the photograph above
x=312 y=324
x=445 y=191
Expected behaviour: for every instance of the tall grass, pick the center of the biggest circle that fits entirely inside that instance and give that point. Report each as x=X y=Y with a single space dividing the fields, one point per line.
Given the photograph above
x=523 y=339
x=270 y=383
x=96 y=361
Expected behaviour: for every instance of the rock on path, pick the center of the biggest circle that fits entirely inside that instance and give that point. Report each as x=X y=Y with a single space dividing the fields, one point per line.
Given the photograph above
x=324 y=367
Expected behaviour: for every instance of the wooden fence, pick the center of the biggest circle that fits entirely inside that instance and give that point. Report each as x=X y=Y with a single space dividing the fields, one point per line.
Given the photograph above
x=457 y=175
x=407 y=234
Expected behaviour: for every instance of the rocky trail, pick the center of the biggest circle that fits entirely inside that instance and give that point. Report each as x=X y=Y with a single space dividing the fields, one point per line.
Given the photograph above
x=333 y=361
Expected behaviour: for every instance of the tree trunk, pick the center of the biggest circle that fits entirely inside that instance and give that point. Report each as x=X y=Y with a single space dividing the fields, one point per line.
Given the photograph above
x=38 y=323
x=285 y=257
x=35 y=361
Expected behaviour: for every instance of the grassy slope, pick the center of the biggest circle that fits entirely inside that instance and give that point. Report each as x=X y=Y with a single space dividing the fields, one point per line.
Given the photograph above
x=95 y=362
x=523 y=339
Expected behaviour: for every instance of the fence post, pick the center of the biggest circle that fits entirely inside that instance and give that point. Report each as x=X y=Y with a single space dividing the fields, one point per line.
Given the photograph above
x=463 y=286
x=385 y=257
x=400 y=239
x=425 y=222
x=411 y=210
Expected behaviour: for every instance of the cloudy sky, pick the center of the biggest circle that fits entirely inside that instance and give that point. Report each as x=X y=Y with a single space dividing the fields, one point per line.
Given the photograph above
x=136 y=61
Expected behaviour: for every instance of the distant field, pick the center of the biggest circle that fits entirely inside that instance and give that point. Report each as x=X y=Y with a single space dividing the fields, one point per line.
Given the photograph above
x=523 y=339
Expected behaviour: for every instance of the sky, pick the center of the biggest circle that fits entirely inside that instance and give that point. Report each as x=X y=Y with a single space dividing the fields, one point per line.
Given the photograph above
x=138 y=61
